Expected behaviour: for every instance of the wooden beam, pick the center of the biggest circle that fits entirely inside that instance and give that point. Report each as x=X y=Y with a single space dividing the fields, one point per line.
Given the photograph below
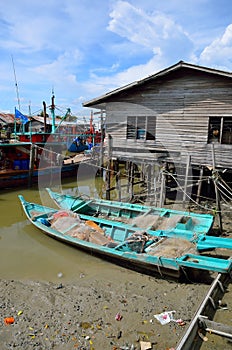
x=215 y=327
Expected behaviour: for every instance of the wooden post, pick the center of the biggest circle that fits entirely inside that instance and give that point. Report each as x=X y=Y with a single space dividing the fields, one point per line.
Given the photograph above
x=152 y=183
x=101 y=147
x=108 y=171
x=186 y=179
x=155 y=192
x=199 y=185
x=156 y=187
x=31 y=164
x=217 y=194
x=162 y=189
x=128 y=175
x=118 y=180
x=131 y=181
x=148 y=181
x=108 y=179
x=142 y=174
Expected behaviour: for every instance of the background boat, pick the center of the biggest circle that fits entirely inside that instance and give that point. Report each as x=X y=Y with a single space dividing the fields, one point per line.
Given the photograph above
x=137 y=214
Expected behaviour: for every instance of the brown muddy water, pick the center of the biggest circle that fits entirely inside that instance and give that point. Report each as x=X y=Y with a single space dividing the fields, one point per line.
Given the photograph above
x=26 y=254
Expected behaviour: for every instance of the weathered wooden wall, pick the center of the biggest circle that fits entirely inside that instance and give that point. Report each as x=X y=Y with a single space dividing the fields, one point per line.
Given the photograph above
x=181 y=104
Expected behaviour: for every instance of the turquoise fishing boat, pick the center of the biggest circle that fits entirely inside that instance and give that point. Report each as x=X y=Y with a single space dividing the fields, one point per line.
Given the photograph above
x=163 y=252
x=146 y=217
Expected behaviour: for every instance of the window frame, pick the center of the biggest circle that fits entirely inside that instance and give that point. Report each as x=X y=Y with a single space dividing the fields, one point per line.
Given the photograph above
x=138 y=128
x=217 y=129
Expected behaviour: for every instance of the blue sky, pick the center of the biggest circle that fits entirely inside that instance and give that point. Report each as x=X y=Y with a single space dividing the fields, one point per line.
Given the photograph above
x=82 y=49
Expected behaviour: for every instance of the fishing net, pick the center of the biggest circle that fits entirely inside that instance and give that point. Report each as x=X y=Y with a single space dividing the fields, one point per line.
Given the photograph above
x=171 y=248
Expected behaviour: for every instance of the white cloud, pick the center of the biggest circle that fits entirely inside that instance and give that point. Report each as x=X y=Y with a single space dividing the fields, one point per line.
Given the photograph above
x=100 y=85
x=86 y=48
x=219 y=52
x=149 y=30
x=61 y=68
x=155 y=31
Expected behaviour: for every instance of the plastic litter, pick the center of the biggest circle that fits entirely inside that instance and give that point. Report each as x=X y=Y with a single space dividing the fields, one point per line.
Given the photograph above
x=145 y=345
x=9 y=320
x=180 y=322
x=165 y=317
x=118 y=317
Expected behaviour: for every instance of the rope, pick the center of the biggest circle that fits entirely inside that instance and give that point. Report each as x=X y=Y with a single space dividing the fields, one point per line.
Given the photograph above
x=215 y=177
x=159 y=266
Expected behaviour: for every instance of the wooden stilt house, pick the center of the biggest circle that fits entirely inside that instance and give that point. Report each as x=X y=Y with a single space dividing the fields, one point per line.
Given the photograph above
x=182 y=114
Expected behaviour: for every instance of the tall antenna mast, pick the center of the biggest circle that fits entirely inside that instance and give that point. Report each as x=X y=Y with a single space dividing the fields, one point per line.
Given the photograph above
x=16 y=84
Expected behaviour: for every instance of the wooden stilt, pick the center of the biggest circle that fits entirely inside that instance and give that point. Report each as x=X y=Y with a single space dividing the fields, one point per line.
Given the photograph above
x=162 y=188
x=217 y=194
x=200 y=184
x=118 y=180
x=156 y=187
x=108 y=180
x=101 y=158
x=149 y=179
x=131 y=181
x=186 y=179
x=128 y=175
x=108 y=171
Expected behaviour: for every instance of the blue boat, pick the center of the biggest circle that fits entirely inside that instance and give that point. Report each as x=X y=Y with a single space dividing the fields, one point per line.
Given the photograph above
x=163 y=252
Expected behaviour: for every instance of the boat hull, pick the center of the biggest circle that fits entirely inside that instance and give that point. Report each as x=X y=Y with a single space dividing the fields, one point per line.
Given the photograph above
x=20 y=178
x=120 y=244
x=160 y=218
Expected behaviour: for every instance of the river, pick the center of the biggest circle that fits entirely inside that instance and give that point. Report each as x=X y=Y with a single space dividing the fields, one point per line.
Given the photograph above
x=26 y=254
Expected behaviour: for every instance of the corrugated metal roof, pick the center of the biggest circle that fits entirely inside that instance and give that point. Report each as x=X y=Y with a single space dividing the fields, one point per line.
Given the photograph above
x=164 y=72
x=7 y=118
x=48 y=120
x=57 y=121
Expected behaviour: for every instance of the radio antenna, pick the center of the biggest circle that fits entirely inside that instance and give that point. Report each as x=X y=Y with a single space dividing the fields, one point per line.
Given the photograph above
x=16 y=84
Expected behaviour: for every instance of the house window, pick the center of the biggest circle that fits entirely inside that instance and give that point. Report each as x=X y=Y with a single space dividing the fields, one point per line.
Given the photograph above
x=220 y=130
x=141 y=128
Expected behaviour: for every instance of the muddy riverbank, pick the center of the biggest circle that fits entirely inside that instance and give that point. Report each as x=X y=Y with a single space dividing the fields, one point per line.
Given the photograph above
x=102 y=313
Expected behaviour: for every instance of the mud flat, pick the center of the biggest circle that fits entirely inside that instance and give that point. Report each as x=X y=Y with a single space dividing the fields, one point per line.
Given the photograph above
x=106 y=312
x=111 y=310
